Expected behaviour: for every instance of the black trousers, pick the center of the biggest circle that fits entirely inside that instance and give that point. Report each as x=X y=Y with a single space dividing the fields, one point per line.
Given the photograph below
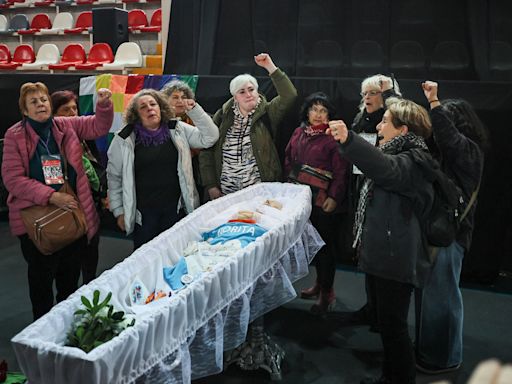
x=392 y=305
x=154 y=222
x=62 y=266
x=325 y=259
x=370 y=306
x=89 y=259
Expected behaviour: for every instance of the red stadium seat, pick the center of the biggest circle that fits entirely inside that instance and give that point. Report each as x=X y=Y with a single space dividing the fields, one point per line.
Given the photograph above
x=81 y=2
x=156 y=22
x=137 y=19
x=99 y=54
x=23 y=53
x=73 y=55
x=83 y=23
x=5 y=54
x=40 y=21
x=44 y=3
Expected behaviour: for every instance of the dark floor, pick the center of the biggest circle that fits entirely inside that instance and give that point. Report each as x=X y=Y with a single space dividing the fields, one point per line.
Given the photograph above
x=317 y=351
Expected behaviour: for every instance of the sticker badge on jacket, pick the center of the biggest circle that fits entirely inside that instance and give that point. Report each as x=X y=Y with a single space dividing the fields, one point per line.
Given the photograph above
x=52 y=169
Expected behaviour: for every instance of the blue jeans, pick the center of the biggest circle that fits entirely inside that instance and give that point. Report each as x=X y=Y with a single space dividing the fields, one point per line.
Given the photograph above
x=439 y=311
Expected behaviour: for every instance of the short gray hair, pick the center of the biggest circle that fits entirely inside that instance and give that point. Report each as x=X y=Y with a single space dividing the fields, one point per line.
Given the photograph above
x=178 y=86
x=238 y=82
x=374 y=82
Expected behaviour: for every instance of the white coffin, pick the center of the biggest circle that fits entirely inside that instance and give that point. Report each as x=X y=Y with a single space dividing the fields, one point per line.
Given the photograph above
x=181 y=338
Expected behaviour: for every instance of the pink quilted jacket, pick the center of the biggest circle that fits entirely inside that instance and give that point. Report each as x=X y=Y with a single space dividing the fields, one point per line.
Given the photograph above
x=19 y=146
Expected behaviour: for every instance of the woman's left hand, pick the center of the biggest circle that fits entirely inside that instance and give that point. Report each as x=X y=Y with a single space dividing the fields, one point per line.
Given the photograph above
x=430 y=89
x=104 y=94
x=63 y=200
x=265 y=61
x=338 y=130
x=189 y=104
x=329 y=205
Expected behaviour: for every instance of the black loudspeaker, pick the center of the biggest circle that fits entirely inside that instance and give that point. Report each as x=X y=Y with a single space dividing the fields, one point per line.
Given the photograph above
x=110 y=25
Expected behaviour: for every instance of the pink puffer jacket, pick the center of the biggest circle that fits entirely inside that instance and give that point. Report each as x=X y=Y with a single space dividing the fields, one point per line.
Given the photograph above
x=19 y=146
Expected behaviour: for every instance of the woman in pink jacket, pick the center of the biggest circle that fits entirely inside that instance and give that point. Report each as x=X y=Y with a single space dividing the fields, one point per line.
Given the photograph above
x=28 y=147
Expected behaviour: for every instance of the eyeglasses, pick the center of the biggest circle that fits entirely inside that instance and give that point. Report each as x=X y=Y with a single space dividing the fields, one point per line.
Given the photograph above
x=320 y=111
x=371 y=93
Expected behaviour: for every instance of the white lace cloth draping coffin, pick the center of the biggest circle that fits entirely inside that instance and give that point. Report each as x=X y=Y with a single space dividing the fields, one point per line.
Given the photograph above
x=182 y=338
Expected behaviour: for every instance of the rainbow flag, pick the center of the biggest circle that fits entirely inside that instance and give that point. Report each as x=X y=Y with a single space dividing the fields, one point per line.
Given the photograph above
x=123 y=88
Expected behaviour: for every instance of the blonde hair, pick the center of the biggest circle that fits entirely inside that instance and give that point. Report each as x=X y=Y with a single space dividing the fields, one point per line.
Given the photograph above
x=407 y=112
x=238 y=82
x=31 y=88
x=131 y=115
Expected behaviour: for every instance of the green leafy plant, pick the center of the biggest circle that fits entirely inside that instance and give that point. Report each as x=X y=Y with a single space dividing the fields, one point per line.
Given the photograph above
x=97 y=323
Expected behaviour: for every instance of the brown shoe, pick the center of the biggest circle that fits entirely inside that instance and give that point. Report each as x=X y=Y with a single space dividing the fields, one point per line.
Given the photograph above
x=310 y=293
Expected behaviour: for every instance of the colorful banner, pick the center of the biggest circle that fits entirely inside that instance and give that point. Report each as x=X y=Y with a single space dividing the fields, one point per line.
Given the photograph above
x=123 y=88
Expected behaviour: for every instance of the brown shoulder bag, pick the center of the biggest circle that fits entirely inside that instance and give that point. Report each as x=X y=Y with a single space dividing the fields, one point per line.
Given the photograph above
x=52 y=228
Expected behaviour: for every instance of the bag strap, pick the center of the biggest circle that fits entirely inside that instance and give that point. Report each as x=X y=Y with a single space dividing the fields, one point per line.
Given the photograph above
x=63 y=155
x=471 y=202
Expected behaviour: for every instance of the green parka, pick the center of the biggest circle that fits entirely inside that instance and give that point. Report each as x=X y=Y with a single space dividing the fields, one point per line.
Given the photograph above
x=264 y=149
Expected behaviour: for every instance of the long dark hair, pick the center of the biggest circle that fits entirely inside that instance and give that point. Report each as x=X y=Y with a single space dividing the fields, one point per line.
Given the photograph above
x=315 y=98
x=467 y=121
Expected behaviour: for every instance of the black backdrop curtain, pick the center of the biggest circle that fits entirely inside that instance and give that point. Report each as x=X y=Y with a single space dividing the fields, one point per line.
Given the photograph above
x=444 y=39
x=324 y=45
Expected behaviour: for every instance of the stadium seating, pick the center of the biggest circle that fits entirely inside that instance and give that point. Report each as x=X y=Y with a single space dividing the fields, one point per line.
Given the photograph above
x=72 y=55
x=100 y=54
x=408 y=59
x=4 y=23
x=44 y=3
x=450 y=60
x=5 y=54
x=18 y=22
x=366 y=57
x=83 y=23
x=47 y=54
x=137 y=19
x=62 y=21
x=500 y=60
x=128 y=55
x=155 y=25
x=23 y=4
x=325 y=59
x=23 y=53
x=40 y=21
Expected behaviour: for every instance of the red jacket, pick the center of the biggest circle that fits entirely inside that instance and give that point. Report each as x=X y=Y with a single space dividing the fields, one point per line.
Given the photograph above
x=322 y=152
x=20 y=145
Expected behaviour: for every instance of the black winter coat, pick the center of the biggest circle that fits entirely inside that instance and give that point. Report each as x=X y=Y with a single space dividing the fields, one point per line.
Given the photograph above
x=462 y=160
x=392 y=243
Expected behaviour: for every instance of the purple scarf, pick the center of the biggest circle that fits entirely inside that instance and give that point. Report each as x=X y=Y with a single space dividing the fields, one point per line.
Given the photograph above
x=149 y=138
